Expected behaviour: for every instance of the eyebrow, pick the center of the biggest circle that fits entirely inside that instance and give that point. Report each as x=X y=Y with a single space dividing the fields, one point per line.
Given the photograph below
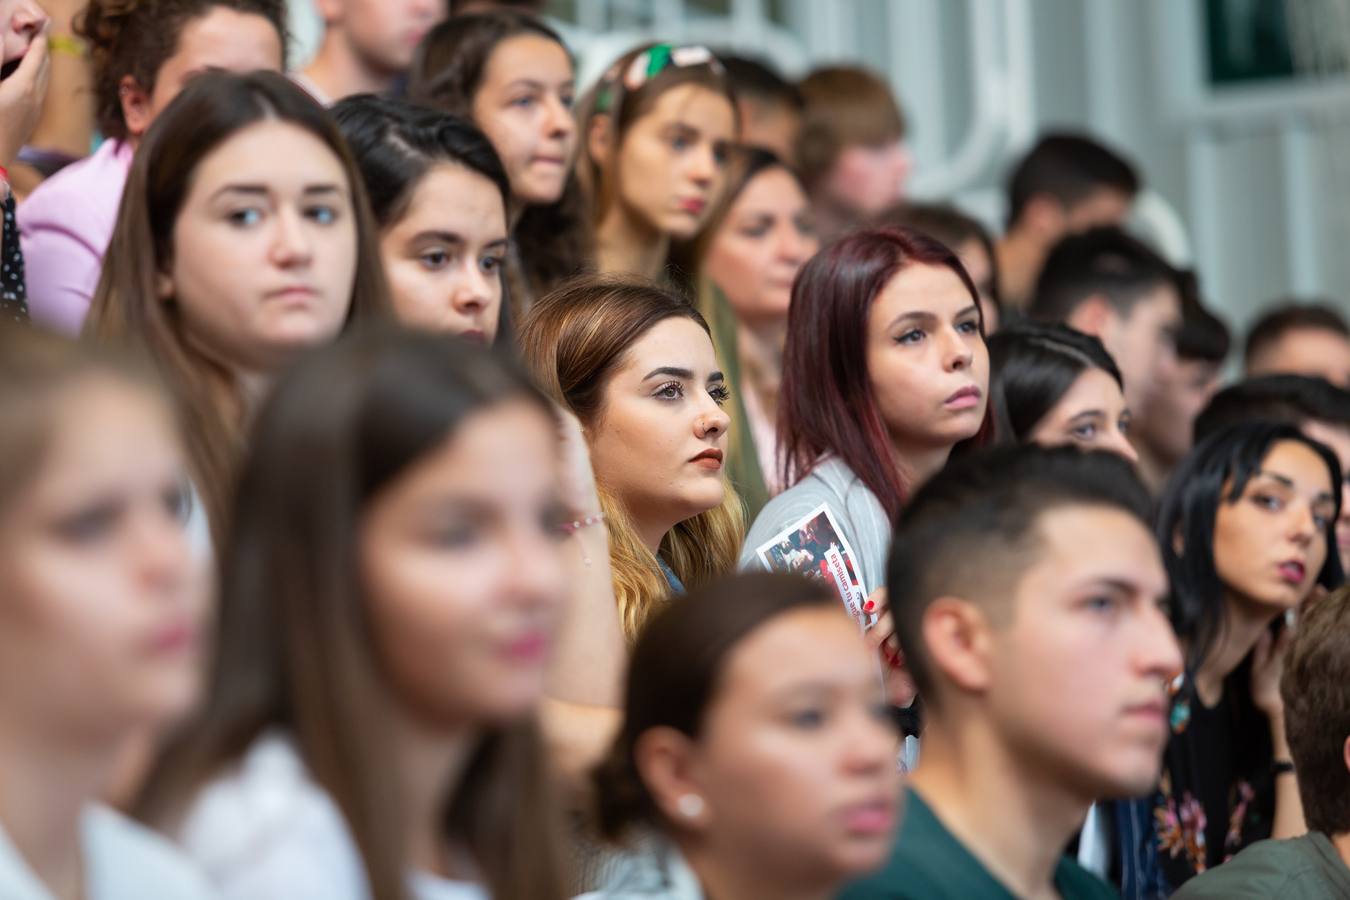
x=924 y=315
x=449 y=237
x=676 y=372
x=1285 y=480
x=263 y=190
x=1088 y=414
x=536 y=84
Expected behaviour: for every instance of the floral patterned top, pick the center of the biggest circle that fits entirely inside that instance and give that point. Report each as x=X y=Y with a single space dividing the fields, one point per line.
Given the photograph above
x=1217 y=791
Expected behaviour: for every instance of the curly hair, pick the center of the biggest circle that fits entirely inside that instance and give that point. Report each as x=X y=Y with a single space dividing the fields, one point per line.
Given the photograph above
x=136 y=38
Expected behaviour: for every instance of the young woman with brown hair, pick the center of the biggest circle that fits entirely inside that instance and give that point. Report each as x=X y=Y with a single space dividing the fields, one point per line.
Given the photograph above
x=635 y=363
x=101 y=605
x=387 y=614
x=143 y=53
x=736 y=776
x=244 y=237
x=655 y=133
x=513 y=77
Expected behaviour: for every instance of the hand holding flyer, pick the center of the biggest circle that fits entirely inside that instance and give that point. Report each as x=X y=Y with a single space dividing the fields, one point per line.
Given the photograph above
x=815 y=547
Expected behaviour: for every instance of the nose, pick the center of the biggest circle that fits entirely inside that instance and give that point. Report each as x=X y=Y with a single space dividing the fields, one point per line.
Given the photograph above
x=28 y=19
x=703 y=167
x=1302 y=527
x=474 y=289
x=870 y=745
x=957 y=351
x=1117 y=442
x=1159 y=654
x=712 y=420
x=290 y=240
x=162 y=553
x=534 y=567
x=560 y=123
x=791 y=244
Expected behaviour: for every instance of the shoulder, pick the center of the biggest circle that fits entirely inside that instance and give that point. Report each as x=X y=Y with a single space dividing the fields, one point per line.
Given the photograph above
x=265 y=829
x=1306 y=866
x=1077 y=883
x=789 y=507
x=129 y=862
x=653 y=870
x=82 y=197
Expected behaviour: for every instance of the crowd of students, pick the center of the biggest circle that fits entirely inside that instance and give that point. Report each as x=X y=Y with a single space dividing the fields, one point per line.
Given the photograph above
x=393 y=449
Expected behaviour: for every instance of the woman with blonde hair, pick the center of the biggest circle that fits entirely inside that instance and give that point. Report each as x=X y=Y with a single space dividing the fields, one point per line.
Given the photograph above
x=635 y=363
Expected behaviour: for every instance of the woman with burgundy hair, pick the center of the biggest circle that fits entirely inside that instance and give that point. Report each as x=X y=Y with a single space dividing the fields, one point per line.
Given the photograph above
x=885 y=371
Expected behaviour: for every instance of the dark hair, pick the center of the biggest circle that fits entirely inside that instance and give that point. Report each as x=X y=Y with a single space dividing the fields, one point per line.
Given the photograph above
x=1069 y=168
x=843 y=106
x=397 y=143
x=212 y=108
x=1214 y=473
x=1203 y=336
x=136 y=38
x=1287 y=399
x=446 y=74
x=756 y=79
x=827 y=402
x=293 y=643
x=1292 y=315
x=1103 y=262
x=1032 y=366
x=950 y=226
x=1315 y=687
x=676 y=670
x=987 y=506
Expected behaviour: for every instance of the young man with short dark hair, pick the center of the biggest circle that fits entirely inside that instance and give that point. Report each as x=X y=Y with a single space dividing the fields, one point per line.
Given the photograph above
x=1300 y=339
x=367 y=45
x=770 y=106
x=1027 y=591
x=1110 y=285
x=1316 y=691
x=1065 y=184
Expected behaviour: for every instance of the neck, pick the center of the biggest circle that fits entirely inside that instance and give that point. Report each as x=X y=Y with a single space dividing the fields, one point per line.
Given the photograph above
x=339 y=72
x=1014 y=818
x=1246 y=621
x=429 y=764
x=627 y=246
x=760 y=345
x=46 y=782
x=1020 y=258
x=735 y=875
x=1342 y=844
x=1152 y=468
x=917 y=464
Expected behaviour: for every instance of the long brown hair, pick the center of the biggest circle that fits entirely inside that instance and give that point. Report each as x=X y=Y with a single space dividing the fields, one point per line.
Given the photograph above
x=126 y=306
x=612 y=97
x=554 y=240
x=573 y=340
x=294 y=646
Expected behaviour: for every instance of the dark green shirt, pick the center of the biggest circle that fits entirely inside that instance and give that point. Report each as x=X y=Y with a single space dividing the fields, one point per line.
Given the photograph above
x=1301 y=868
x=929 y=863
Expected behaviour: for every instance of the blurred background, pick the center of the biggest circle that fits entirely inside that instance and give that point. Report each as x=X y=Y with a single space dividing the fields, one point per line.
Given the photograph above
x=1237 y=111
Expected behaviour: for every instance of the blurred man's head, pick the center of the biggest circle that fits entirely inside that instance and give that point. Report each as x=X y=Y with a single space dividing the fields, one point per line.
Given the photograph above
x=770 y=106
x=1300 y=339
x=1067 y=184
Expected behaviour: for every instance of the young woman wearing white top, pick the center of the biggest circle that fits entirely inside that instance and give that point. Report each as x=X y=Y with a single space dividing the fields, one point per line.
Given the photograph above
x=392 y=585
x=100 y=606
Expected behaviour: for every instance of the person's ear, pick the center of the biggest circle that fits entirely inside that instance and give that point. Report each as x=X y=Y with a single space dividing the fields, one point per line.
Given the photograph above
x=1095 y=316
x=1345 y=753
x=600 y=139
x=667 y=763
x=1045 y=217
x=137 y=109
x=957 y=637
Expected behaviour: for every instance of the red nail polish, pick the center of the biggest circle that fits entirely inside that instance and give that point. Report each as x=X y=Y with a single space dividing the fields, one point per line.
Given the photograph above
x=867 y=607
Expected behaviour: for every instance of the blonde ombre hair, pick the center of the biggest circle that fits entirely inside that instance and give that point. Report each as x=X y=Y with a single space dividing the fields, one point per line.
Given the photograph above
x=573 y=339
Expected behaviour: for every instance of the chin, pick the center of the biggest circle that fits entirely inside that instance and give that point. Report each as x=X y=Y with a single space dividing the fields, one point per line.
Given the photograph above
x=683 y=228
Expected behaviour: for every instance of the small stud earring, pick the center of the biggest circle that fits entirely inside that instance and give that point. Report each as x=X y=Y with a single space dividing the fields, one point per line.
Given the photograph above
x=690 y=806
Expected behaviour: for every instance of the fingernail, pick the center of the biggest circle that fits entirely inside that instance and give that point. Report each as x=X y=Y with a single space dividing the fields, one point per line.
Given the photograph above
x=868 y=606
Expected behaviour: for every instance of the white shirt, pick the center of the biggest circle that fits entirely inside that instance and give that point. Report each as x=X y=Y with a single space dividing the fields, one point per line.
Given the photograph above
x=123 y=861
x=267 y=831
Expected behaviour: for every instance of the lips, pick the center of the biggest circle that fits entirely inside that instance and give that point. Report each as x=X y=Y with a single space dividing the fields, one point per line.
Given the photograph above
x=172 y=638
x=874 y=818
x=693 y=205
x=709 y=459
x=530 y=647
x=965 y=398
x=1293 y=571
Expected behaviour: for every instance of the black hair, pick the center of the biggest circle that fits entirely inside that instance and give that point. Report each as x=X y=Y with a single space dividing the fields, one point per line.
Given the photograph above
x=756 y=79
x=971 y=530
x=1291 y=315
x=1203 y=336
x=396 y=144
x=1216 y=472
x=1101 y=261
x=1032 y=366
x=1070 y=168
x=1286 y=399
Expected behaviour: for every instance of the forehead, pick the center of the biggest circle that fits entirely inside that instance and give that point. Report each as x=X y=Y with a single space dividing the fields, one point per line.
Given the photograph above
x=526 y=56
x=696 y=106
x=1160 y=304
x=922 y=288
x=223 y=38
x=1092 y=388
x=272 y=153
x=675 y=341
x=1079 y=545
x=458 y=196
x=1300 y=464
x=1337 y=437
x=823 y=643
x=774 y=187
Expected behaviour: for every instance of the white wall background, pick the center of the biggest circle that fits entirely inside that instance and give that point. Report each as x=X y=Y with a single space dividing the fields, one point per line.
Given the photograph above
x=1252 y=186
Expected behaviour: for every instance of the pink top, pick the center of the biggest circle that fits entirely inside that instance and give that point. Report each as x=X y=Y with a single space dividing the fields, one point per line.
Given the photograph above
x=65 y=226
